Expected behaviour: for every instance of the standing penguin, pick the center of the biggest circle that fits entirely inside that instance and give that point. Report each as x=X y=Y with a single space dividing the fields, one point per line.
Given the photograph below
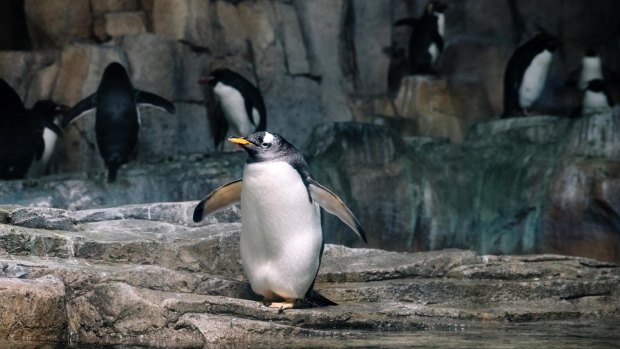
x=526 y=74
x=427 y=38
x=281 y=237
x=591 y=68
x=118 y=117
x=16 y=142
x=46 y=132
x=596 y=98
x=238 y=101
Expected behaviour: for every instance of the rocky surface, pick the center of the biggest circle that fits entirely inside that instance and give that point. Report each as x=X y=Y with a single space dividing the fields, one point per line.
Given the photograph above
x=525 y=185
x=145 y=274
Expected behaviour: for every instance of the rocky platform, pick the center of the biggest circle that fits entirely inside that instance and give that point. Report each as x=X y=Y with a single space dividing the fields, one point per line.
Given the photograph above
x=147 y=275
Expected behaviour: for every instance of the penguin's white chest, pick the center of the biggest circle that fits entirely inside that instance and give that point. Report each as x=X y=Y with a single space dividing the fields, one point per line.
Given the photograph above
x=233 y=106
x=281 y=236
x=534 y=79
x=594 y=102
x=49 y=138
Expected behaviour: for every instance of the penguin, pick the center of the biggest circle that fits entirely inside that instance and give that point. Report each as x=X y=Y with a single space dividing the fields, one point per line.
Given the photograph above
x=426 y=41
x=45 y=131
x=16 y=142
x=281 y=237
x=237 y=104
x=117 y=119
x=526 y=73
x=596 y=98
x=591 y=69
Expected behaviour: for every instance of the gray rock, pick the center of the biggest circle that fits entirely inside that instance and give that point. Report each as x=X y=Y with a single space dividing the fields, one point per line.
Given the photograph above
x=140 y=275
x=42 y=218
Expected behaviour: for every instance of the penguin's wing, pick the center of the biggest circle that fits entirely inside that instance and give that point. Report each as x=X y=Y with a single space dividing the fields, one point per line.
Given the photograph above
x=84 y=106
x=438 y=39
x=149 y=99
x=332 y=204
x=220 y=198
x=410 y=21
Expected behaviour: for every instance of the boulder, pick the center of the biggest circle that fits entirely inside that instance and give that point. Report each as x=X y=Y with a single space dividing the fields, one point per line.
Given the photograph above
x=54 y=24
x=187 y=20
x=104 y=6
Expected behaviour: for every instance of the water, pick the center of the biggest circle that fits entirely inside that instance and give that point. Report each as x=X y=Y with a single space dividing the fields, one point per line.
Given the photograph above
x=590 y=334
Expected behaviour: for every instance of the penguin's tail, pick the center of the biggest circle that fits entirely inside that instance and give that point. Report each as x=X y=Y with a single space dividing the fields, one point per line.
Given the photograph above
x=113 y=163
x=315 y=299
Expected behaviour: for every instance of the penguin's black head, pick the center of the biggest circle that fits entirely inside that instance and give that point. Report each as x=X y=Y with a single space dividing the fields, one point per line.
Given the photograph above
x=596 y=85
x=49 y=110
x=548 y=41
x=217 y=75
x=264 y=146
x=435 y=7
x=590 y=53
x=115 y=69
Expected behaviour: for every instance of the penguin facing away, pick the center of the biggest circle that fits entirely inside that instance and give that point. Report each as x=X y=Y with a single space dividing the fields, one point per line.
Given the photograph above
x=597 y=98
x=117 y=119
x=238 y=105
x=526 y=73
x=426 y=41
x=17 y=148
x=45 y=130
x=281 y=237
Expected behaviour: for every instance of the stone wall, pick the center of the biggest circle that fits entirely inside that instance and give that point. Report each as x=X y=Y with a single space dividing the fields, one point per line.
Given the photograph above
x=315 y=61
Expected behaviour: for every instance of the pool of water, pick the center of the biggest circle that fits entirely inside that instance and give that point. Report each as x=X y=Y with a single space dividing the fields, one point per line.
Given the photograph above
x=583 y=334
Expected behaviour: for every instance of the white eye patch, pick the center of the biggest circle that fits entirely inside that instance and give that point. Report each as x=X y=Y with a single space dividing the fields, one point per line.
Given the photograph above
x=268 y=138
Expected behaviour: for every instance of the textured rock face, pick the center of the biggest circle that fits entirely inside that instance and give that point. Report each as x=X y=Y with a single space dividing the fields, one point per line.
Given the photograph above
x=525 y=185
x=147 y=275
x=315 y=61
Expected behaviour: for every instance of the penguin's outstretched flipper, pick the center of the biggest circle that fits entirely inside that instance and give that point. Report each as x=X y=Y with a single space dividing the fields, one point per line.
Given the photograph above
x=220 y=198
x=148 y=99
x=334 y=205
x=84 y=106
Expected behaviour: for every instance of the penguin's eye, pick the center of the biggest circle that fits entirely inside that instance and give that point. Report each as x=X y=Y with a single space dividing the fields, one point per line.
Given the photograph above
x=265 y=145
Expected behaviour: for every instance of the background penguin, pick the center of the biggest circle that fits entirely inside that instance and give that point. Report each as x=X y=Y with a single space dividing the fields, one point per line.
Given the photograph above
x=526 y=73
x=45 y=131
x=591 y=68
x=281 y=237
x=427 y=38
x=596 y=98
x=16 y=142
x=236 y=104
x=118 y=117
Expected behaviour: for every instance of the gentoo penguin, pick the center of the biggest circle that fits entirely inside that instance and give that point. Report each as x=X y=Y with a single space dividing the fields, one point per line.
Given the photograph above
x=45 y=130
x=16 y=142
x=117 y=119
x=238 y=101
x=591 y=69
x=427 y=38
x=526 y=73
x=596 y=98
x=281 y=236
